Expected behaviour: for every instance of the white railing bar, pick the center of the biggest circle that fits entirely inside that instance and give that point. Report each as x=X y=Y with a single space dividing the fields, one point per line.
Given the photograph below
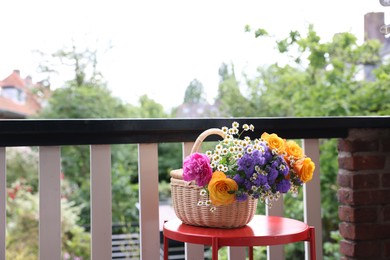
x=101 y=209
x=192 y=251
x=149 y=201
x=49 y=202
x=312 y=197
x=3 y=200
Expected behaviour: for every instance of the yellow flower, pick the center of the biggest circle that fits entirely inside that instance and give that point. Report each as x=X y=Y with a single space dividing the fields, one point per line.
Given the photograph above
x=274 y=142
x=222 y=189
x=293 y=151
x=304 y=168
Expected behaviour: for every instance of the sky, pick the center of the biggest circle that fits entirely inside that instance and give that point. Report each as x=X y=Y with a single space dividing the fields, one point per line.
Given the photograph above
x=158 y=47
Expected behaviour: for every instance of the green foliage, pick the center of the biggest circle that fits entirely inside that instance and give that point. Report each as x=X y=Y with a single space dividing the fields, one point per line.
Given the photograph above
x=22 y=163
x=87 y=97
x=332 y=249
x=83 y=63
x=164 y=190
x=148 y=109
x=170 y=158
x=260 y=32
x=83 y=102
x=230 y=100
x=373 y=99
x=22 y=225
x=329 y=187
x=194 y=93
x=322 y=79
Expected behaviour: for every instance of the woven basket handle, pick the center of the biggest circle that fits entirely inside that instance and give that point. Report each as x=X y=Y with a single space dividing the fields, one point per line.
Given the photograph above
x=202 y=136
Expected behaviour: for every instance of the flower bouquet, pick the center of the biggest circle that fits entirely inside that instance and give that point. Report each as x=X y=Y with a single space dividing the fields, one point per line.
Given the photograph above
x=221 y=188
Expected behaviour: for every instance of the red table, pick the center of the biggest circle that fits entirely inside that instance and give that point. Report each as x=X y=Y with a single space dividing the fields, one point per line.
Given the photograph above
x=261 y=231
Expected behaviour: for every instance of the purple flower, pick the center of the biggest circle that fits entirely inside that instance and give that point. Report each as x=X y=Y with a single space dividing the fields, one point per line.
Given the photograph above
x=272 y=175
x=261 y=180
x=267 y=154
x=197 y=167
x=248 y=184
x=246 y=164
x=241 y=196
x=283 y=186
x=266 y=187
x=284 y=169
x=258 y=158
x=237 y=178
x=277 y=161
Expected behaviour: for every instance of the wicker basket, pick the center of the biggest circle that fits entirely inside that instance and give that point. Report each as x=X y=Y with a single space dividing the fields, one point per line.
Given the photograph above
x=185 y=197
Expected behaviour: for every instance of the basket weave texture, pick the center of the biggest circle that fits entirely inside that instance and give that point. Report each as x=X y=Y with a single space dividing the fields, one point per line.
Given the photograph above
x=186 y=195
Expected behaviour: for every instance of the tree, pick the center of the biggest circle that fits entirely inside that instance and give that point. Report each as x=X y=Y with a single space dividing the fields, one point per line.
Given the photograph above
x=150 y=109
x=229 y=100
x=22 y=226
x=83 y=63
x=194 y=93
x=88 y=97
x=321 y=79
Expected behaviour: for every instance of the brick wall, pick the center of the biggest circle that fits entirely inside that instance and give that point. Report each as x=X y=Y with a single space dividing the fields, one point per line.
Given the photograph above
x=364 y=194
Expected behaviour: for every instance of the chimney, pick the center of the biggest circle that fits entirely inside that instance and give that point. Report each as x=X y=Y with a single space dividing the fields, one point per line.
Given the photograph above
x=17 y=72
x=372 y=25
x=28 y=81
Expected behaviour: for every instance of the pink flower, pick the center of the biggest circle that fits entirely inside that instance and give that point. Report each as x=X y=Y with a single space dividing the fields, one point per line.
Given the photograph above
x=197 y=167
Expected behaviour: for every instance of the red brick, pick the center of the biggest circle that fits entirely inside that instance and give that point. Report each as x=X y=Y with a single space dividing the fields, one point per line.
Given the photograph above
x=386 y=213
x=386 y=145
x=365 y=181
x=347 y=247
x=386 y=249
x=344 y=180
x=346 y=163
x=385 y=180
x=360 y=249
x=364 y=231
x=360 y=162
x=363 y=197
x=358 y=181
x=344 y=196
x=358 y=215
x=345 y=145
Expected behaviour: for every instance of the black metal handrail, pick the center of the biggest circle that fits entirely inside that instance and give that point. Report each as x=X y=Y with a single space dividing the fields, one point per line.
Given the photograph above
x=122 y=131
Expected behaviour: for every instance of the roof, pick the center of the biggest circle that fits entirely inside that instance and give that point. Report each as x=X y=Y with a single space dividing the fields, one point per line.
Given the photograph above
x=195 y=110
x=9 y=108
x=14 y=80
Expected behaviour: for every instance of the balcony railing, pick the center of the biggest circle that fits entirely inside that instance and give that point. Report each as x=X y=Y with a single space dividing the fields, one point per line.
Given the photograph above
x=50 y=135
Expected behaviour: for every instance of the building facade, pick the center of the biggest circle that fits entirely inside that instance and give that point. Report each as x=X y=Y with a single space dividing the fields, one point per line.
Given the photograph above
x=21 y=98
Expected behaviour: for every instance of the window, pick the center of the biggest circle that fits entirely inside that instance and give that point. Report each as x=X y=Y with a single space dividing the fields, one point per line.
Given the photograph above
x=13 y=93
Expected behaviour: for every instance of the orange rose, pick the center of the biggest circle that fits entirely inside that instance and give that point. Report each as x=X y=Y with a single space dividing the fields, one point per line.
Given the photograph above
x=304 y=169
x=274 y=142
x=222 y=189
x=294 y=151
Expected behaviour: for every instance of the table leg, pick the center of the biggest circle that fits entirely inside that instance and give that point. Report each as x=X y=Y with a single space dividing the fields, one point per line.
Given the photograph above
x=214 y=248
x=250 y=252
x=166 y=248
x=312 y=242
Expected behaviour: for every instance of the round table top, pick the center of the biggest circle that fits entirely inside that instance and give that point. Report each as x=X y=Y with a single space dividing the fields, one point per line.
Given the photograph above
x=261 y=231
